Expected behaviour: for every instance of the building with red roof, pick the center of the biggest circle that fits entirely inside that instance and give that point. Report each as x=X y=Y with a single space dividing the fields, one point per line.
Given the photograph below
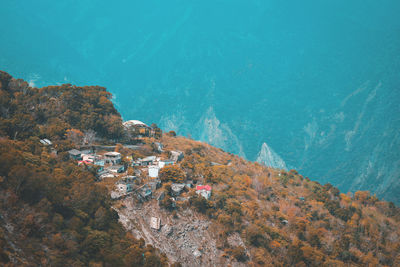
x=204 y=191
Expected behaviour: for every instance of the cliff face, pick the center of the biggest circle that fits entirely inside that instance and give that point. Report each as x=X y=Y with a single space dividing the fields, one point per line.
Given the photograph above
x=269 y=158
x=208 y=128
x=361 y=139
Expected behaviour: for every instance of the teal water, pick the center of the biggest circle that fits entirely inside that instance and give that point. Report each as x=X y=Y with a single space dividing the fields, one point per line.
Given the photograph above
x=317 y=80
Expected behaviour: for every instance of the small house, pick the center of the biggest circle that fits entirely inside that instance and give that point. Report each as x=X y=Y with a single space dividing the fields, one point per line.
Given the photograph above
x=104 y=174
x=204 y=191
x=155 y=223
x=124 y=187
x=99 y=162
x=153 y=185
x=116 y=168
x=75 y=154
x=87 y=150
x=147 y=161
x=136 y=163
x=163 y=163
x=112 y=157
x=88 y=157
x=153 y=171
x=177 y=189
x=46 y=142
x=145 y=192
x=138 y=128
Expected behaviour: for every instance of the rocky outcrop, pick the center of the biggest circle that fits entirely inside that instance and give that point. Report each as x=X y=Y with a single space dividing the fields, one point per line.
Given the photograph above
x=270 y=158
x=186 y=237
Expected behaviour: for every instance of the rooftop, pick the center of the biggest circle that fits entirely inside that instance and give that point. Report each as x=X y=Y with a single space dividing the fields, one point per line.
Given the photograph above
x=151 y=158
x=113 y=154
x=74 y=152
x=115 y=167
x=134 y=123
x=46 y=142
x=203 y=187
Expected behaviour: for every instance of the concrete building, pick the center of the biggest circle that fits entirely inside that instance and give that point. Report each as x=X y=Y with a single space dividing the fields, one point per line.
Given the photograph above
x=112 y=157
x=153 y=171
x=155 y=223
x=204 y=191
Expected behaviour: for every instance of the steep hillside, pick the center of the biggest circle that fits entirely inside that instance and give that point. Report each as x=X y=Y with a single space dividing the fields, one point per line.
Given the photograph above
x=53 y=212
x=51 y=111
x=304 y=82
x=261 y=216
x=57 y=211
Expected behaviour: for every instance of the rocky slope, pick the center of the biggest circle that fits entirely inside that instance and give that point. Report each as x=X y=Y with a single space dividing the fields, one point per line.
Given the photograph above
x=186 y=237
x=261 y=216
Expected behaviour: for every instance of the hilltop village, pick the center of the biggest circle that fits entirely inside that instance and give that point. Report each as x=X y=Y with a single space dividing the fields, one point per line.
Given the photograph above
x=138 y=177
x=131 y=171
x=142 y=173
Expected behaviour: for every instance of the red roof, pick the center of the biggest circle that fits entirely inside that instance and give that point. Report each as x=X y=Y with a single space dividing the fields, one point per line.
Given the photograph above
x=203 y=187
x=84 y=161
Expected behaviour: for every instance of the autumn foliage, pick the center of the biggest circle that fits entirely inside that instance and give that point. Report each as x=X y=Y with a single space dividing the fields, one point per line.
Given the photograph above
x=285 y=219
x=51 y=111
x=53 y=213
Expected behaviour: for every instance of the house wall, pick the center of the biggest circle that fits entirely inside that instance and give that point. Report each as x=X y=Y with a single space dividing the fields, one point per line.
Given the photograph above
x=153 y=171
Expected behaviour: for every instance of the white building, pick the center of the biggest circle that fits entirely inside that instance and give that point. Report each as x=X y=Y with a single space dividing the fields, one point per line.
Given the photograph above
x=155 y=223
x=163 y=163
x=133 y=123
x=46 y=142
x=204 y=191
x=153 y=171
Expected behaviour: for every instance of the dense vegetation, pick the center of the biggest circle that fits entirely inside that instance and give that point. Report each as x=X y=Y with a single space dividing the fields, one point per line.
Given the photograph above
x=50 y=111
x=53 y=213
x=284 y=218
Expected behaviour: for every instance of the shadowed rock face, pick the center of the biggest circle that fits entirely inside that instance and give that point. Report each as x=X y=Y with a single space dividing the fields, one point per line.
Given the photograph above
x=307 y=82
